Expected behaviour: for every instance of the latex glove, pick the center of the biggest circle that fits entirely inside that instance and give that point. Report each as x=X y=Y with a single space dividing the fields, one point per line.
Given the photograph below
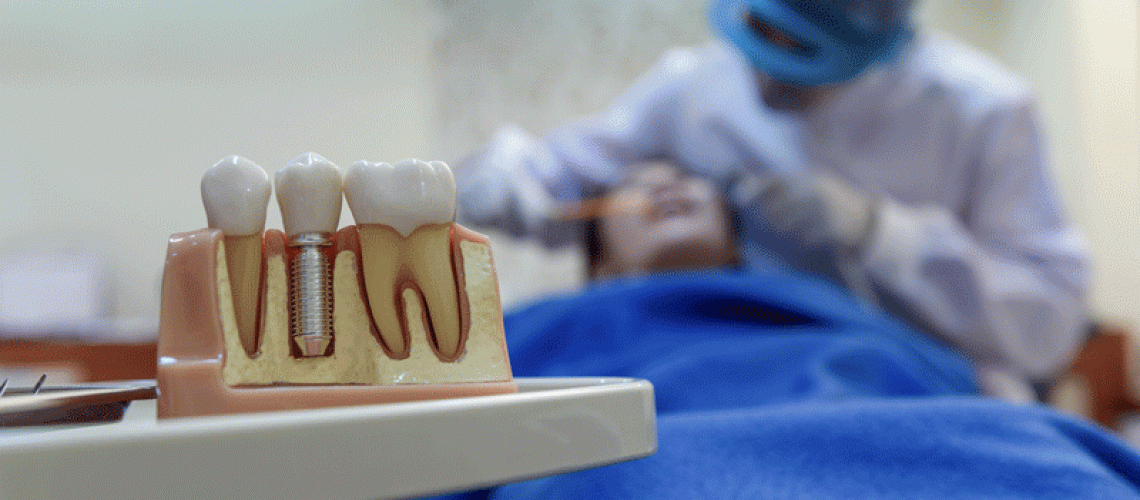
x=499 y=188
x=814 y=209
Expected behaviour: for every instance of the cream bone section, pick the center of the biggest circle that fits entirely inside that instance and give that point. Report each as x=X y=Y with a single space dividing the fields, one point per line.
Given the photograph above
x=358 y=357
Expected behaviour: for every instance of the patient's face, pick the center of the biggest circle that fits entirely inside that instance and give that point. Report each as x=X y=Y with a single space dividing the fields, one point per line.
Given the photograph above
x=663 y=220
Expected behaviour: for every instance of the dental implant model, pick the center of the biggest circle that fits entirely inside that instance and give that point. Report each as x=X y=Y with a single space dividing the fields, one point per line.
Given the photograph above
x=403 y=306
x=309 y=193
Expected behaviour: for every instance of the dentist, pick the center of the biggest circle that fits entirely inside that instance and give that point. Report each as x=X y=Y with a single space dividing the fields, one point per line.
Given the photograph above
x=901 y=164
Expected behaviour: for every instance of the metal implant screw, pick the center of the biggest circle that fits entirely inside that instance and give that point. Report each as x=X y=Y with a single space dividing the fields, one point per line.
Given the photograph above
x=310 y=293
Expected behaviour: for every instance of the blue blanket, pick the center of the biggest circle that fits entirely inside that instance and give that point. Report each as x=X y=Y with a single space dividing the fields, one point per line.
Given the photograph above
x=718 y=340
x=781 y=386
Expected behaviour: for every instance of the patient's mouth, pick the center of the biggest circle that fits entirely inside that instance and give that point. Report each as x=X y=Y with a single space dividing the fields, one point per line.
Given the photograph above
x=671 y=207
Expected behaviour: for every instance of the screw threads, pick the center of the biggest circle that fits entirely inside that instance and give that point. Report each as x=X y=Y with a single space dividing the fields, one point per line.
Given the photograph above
x=310 y=294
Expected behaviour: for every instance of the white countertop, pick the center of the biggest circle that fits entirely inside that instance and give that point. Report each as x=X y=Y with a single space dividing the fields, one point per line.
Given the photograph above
x=400 y=450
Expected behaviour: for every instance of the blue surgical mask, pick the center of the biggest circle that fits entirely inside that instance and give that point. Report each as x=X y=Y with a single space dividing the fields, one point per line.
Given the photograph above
x=810 y=43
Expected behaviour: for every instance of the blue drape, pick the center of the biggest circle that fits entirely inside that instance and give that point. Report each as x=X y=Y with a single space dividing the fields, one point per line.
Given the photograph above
x=782 y=386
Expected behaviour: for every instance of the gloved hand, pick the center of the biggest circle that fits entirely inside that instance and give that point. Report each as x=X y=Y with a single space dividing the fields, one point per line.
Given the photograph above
x=813 y=209
x=498 y=188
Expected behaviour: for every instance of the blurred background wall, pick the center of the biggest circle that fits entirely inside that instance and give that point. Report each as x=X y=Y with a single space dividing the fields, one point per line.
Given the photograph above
x=112 y=110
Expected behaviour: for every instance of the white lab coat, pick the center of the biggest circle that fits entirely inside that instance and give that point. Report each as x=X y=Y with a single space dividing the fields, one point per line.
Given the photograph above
x=971 y=241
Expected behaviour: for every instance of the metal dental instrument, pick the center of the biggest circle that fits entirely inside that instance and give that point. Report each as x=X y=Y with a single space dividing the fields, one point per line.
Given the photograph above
x=39 y=384
x=71 y=404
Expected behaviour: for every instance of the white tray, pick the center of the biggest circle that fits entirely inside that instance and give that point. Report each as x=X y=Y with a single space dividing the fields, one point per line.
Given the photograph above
x=551 y=426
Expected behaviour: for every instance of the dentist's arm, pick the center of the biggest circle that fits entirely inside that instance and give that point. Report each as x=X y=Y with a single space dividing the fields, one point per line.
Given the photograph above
x=1006 y=279
x=522 y=185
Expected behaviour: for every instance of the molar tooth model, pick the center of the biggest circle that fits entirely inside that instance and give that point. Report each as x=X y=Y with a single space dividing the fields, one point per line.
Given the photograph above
x=403 y=306
x=409 y=206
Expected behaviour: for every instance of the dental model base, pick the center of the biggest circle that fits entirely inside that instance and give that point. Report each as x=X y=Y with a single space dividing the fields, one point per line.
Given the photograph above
x=402 y=306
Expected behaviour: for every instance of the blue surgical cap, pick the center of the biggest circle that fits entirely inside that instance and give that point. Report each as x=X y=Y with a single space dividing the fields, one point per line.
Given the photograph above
x=834 y=40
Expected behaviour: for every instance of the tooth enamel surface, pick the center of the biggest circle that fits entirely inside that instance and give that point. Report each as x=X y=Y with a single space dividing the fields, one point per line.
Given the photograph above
x=405 y=196
x=235 y=192
x=309 y=194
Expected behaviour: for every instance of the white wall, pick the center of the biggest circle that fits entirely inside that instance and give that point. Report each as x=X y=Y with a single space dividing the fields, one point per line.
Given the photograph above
x=1105 y=36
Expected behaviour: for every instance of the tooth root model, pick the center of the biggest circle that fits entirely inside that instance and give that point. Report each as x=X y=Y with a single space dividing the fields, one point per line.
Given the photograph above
x=404 y=214
x=404 y=306
x=235 y=192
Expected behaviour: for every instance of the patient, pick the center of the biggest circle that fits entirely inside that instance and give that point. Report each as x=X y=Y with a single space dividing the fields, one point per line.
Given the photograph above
x=659 y=220
x=662 y=220
x=780 y=385
x=666 y=303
